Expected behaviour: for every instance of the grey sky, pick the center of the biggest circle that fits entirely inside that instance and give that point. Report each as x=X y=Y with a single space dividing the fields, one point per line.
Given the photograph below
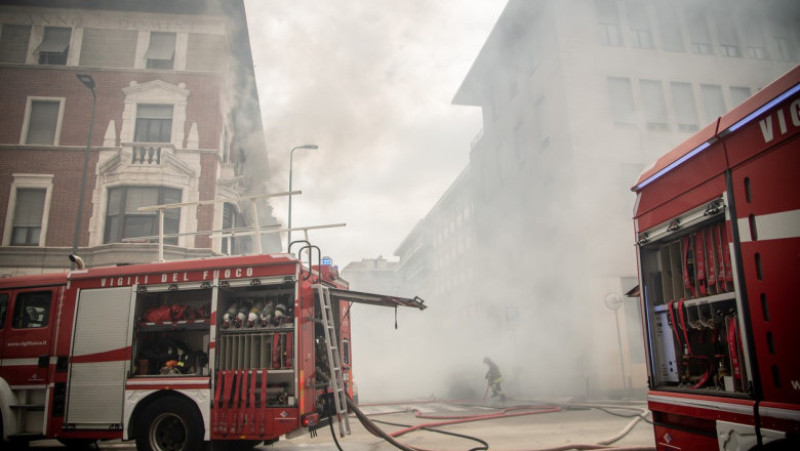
x=370 y=82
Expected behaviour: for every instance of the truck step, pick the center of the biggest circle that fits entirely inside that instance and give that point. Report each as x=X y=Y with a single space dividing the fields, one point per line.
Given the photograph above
x=25 y=436
x=31 y=407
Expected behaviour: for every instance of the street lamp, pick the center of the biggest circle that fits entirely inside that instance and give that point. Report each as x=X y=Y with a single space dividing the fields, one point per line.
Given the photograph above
x=291 y=156
x=613 y=302
x=87 y=81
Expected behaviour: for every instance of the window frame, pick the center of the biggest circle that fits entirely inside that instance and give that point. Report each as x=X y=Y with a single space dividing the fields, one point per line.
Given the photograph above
x=54 y=58
x=684 y=104
x=32 y=233
x=21 y=325
x=23 y=139
x=232 y=218
x=713 y=101
x=149 y=121
x=641 y=29
x=123 y=46
x=29 y=181
x=5 y=44
x=622 y=113
x=654 y=105
x=119 y=234
x=699 y=32
x=160 y=63
x=609 y=25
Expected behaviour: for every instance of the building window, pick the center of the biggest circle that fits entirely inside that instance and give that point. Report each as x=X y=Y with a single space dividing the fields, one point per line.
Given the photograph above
x=14 y=41
x=32 y=310
x=786 y=49
x=161 y=51
x=26 y=225
x=54 y=48
x=685 y=107
x=231 y=219
x=622 y=106
x=43 y=121
x=713 y=101
x=698 y=32
x=125 y=221
x=728 y=39
x=641 y=34
x=205 y=52
x=655 y=108
x=669 y=26
x=757 y=52
x=608 y=23
x=153 y=123
x=729 y=50
x=739 y=94
x=754 y=37
x=27 y=210
x=108 y=48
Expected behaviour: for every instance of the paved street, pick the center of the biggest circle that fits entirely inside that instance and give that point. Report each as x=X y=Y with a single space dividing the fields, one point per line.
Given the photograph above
x=526 y=430
x=515 y=425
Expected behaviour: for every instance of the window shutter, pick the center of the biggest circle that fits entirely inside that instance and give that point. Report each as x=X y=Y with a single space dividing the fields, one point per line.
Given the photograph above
x=14 y=40
x=42 y=122
x=108 y=48
x=29 y=208
x=205 y=52
x=56 y=40
x=162 y=46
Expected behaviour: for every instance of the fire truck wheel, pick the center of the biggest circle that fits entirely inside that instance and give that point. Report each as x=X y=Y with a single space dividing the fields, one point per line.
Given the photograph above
x=169 y=424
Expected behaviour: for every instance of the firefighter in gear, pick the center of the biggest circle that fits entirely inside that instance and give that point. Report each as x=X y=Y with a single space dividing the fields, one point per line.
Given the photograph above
x=494 y=379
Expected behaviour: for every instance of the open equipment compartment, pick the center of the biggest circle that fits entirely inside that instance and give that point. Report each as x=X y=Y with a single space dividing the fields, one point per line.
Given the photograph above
x=171 y=335
x=255 y=335
x=690 y=303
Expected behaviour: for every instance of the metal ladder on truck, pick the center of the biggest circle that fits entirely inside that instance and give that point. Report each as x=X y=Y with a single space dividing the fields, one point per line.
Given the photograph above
x=336 y=380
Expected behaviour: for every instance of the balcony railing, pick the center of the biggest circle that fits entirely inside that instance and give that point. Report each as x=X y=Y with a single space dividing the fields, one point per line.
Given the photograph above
x=146 y=154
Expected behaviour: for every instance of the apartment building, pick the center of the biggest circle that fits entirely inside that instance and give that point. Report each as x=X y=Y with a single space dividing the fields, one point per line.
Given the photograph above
x=114 y=106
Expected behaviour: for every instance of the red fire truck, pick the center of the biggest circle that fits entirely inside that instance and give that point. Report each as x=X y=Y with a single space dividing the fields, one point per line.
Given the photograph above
x=235 y=351
x=717 y=224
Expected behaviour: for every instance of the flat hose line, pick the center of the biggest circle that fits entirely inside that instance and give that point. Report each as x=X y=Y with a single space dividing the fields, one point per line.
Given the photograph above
x=505 y=413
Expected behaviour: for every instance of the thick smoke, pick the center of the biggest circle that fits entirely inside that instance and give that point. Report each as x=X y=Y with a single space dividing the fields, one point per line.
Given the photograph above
x=370 y=83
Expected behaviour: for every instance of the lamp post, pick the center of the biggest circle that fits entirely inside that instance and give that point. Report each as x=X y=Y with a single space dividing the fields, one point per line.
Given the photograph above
x=291 y=156
x=87 y=81
x=613 y=302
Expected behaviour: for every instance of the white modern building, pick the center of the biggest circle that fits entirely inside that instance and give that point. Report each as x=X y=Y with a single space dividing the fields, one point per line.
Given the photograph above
x=578 y=96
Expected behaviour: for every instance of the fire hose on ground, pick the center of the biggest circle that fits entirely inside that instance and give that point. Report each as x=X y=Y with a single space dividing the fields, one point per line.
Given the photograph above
x=371 y=427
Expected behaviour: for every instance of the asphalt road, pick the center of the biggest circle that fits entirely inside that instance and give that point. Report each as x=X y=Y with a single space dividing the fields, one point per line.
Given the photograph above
x=540 y=426
x=512 y=425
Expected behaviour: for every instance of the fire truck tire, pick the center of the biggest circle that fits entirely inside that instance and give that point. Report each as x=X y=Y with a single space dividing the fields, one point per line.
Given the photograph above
x=169 y=424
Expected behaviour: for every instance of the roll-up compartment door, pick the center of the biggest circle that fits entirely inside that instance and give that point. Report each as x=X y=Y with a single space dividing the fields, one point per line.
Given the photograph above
x=99 y=358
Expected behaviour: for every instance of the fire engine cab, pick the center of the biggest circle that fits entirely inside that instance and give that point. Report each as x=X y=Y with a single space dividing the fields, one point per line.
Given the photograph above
x=717 y=224
x=234 y=350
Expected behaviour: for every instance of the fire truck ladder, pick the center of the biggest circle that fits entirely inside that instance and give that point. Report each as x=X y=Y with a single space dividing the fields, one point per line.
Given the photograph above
x=331 y=344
